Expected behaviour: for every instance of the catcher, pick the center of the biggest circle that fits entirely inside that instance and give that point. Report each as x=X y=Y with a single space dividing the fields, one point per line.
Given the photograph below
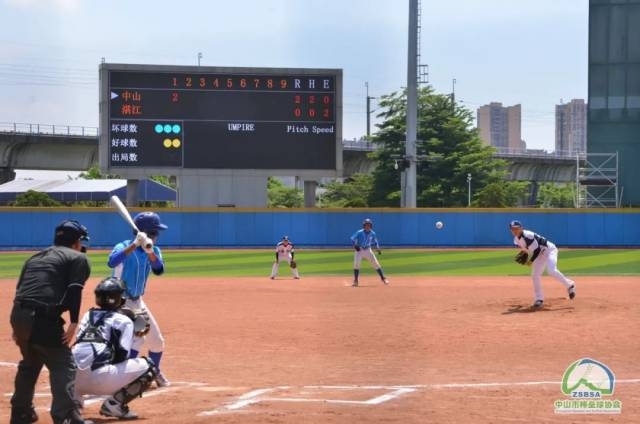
x=102 y=350
x=285 y=252
x=539 y=253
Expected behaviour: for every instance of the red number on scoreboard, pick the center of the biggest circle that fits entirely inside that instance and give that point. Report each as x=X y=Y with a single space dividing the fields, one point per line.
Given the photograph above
x=174 y=81
x=188 y=81
x=174 y=97
x=229 y=83
x=216 y=83
x=312 y=113
x=326 y=100
x=326 y=114
x=243 y=83
x=297 y=99
x=283 y=84
x=297 y=112
x=269 y=83
x=203 y=82
x=256 y=82
x=312 y=99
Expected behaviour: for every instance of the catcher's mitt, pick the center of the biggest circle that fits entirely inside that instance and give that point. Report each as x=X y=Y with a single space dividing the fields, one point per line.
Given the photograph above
x=293 y=264
x=140 y=320
x=522 y=257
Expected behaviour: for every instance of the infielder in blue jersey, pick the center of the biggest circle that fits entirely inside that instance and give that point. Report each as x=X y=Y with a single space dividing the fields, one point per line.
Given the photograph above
x=132 y=261
x=363 y=242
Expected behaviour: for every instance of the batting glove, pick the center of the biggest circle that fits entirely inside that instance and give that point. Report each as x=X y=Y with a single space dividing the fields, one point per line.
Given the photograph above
x=148 y=245
x=140 y=238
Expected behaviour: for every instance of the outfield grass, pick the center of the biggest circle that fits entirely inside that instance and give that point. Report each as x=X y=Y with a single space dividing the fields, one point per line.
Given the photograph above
x=236 y=263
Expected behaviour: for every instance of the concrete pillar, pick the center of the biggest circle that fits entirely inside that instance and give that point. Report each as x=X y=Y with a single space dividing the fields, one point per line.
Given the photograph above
x=6 y=175
x=310 y=194
x=132 y=193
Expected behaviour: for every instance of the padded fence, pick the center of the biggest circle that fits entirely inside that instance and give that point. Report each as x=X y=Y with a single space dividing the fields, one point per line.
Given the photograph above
x=231 y=228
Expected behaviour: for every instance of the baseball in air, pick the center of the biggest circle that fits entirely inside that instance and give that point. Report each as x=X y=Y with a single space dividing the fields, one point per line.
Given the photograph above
x=439 y=225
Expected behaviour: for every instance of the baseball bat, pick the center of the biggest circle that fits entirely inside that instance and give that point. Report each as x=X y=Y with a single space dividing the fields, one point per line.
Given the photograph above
x=124 y=213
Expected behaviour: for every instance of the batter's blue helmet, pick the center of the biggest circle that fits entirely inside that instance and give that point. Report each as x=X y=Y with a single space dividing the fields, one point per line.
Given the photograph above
x=148 y=221
x=367 y=221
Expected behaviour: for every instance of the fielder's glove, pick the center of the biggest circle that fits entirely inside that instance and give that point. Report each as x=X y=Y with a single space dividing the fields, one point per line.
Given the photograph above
x=522 y=258
x=379 y=252
x=293 y=264
x=355 y=246
x=140 y=320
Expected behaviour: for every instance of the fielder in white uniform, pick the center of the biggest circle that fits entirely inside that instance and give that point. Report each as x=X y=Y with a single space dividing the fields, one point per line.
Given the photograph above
x=284 y=252
x=363 y=241
x=102 y=350
x=542 y=254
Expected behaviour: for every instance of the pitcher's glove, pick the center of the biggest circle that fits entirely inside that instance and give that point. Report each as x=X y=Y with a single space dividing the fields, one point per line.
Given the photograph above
x=140 y=319
x=293 y=264
x=522 y=258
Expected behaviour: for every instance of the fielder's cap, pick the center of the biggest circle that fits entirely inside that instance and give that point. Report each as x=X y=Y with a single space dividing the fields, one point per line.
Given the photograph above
x=285 y=238
x=515 y=224
x=367 y=221
x=149 y=221
x=69 y=231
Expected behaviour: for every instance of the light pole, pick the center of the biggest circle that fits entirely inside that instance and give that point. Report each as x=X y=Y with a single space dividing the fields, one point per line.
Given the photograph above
x=199 y=57
x=469 y=190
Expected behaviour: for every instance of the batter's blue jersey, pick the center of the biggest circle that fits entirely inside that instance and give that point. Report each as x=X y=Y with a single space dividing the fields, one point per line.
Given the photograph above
x=134 y=269
x=365 y=239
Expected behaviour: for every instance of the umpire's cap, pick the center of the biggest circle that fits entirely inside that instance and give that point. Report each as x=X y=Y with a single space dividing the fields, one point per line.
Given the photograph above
x=515 y=224
x=148 y=221
x=68 y=232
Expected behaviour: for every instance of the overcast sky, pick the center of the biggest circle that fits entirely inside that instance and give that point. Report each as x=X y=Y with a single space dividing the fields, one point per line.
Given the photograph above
x=532 y=52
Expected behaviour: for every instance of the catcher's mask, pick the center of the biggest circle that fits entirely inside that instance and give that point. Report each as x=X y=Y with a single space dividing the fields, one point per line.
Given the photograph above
x=110 y=293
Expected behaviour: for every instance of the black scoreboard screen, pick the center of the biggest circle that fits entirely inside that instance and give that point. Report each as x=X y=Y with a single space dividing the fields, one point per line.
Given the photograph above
x=274 y=119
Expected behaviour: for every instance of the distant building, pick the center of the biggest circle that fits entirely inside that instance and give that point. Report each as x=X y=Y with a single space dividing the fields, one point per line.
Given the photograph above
x=571 y=127
x=500 y=126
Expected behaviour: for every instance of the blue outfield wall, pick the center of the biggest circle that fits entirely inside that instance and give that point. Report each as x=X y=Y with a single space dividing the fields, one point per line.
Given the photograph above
x=33 y=227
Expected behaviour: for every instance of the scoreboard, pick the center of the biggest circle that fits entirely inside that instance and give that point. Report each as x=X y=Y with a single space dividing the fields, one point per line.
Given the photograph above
x=220 y=118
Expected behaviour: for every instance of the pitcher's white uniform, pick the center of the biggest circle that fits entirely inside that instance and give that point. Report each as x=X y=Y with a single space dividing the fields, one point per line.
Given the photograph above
x=103 y=368
x=284 y=252
x=542 y=254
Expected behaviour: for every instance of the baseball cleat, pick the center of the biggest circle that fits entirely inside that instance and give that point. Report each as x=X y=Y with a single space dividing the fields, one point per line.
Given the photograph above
x=111 y=408
x=572 y=291
x=537 y=304
x=273 y=278
x=355 y=283
x=161 y=380
x=296 y=278
x=385 y=281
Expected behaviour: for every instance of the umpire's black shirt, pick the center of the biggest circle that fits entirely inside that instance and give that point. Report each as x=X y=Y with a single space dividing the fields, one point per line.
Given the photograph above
x=54 y=277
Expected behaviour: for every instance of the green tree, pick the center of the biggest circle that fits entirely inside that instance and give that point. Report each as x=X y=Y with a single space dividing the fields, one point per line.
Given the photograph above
x=35 y=198
x=449 y=149
x=94 y=173
x=352 y=193
x=280 y=196
x=552 y=195
x=499 y=194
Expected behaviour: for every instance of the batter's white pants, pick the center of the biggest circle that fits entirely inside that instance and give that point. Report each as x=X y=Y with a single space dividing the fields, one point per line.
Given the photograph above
x=548 y=259
x=108 y=379
x=367 y=254
x=154 y=338
x=276 y=266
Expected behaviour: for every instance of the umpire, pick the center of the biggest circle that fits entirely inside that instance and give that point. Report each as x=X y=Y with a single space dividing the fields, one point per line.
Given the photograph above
x=50 y=283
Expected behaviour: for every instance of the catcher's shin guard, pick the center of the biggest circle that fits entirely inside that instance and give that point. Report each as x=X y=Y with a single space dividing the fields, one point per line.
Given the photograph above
x=137 y=386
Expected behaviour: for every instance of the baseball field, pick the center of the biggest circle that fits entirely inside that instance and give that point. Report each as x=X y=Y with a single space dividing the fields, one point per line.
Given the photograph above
x=450 y=340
